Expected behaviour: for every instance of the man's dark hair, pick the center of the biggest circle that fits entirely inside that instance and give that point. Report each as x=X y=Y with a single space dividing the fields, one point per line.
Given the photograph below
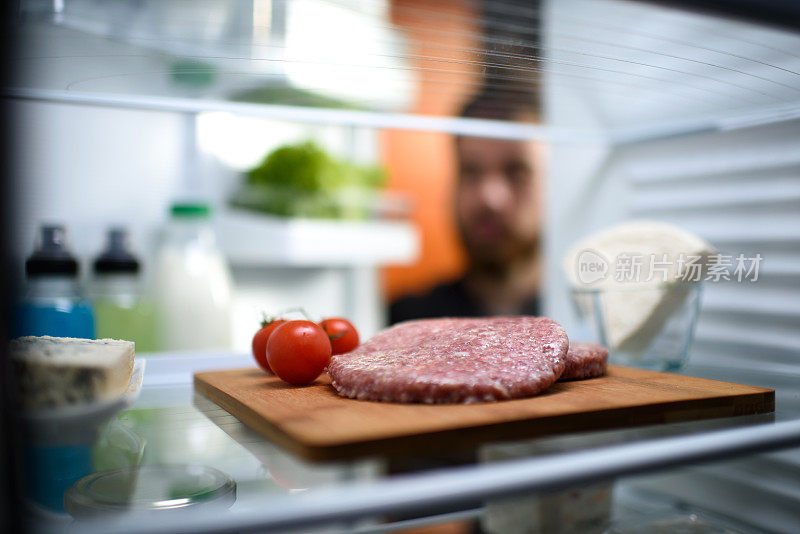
x=511 y=55
x=503 y=105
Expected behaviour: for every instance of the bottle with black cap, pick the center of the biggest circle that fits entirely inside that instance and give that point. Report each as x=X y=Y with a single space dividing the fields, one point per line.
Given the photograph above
x=52 y=303
x=121 y=310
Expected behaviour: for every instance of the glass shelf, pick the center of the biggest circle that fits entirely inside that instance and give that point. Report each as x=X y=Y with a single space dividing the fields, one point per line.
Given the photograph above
x=277 y=490
x=612 y=76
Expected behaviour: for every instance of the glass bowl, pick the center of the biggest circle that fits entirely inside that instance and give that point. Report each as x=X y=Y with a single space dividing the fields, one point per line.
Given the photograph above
x=148 y=489
x=650 y=327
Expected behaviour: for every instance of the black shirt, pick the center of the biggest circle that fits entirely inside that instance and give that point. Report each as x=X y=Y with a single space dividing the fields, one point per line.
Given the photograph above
x=447 y=300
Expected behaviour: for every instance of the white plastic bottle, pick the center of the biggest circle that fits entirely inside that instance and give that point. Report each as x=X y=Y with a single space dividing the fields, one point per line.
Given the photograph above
x=191 y=283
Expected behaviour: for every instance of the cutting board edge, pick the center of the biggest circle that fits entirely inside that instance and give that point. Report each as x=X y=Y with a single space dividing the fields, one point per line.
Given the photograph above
x=623 y=369
x=250 y=419
x=759 y=401
x=520 y=429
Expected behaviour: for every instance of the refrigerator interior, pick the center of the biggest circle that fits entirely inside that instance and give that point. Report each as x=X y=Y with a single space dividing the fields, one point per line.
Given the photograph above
x=649 y=112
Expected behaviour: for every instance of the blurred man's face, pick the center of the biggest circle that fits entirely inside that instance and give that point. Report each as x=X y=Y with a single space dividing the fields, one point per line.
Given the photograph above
x=498 y=198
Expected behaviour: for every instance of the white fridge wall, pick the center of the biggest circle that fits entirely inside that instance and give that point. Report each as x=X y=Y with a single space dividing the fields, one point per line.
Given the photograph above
x=641 y=67
x=90 y=167
x=736 y=187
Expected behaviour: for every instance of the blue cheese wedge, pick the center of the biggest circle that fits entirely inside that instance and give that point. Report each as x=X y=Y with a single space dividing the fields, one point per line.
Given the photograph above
x=52 y=372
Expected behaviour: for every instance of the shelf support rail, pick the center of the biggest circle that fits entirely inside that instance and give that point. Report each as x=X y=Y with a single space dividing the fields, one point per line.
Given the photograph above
x=463 y=486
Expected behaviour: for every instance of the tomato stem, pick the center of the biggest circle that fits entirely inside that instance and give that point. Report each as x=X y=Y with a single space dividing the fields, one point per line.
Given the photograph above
x=267 y=319
x=298 y=310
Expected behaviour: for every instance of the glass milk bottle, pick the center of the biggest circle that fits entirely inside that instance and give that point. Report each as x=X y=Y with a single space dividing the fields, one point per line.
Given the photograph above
x=191 y=283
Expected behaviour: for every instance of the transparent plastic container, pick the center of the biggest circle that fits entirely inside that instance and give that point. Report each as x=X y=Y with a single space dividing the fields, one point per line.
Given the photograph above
x=646 y=327
x=149 y=489
x=676 y=523
x=58 y=443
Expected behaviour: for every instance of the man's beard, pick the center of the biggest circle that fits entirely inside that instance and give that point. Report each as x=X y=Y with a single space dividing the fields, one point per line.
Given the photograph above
x=496 y=261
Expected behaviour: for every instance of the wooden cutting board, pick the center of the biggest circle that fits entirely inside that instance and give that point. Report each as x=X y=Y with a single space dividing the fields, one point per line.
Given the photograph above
x=316 y=424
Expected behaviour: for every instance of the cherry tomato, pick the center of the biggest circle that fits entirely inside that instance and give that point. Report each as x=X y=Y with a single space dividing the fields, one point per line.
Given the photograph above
x=342 y=333
x=260 y=342
x=298 y=351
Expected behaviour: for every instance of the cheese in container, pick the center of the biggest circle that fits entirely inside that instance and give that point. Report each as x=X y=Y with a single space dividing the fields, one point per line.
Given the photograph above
x=64 y=390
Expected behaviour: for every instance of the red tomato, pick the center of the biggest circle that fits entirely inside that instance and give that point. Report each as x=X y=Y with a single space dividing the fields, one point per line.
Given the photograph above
x=298 y=351
x=342 y=333
x=260 y=342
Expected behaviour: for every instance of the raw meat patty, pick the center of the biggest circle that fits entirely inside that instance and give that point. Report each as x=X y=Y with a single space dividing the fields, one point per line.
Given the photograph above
x=454 y=360
x=584 y=360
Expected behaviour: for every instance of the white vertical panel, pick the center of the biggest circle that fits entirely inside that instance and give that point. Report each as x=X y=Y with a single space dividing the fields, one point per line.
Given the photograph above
x=738 y=189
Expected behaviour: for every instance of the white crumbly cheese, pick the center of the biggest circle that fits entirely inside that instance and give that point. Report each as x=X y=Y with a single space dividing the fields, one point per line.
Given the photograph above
x=58 y=371
x=634 y=311
x=580 y=510
x=577 y=510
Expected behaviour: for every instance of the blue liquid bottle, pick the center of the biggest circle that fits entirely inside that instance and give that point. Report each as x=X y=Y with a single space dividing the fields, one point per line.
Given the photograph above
x=52 y=305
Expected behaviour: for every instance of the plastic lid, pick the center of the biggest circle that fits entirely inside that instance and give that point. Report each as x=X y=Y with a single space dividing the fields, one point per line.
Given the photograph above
x=51 y=255
x=149 y=489
x=116 y=258
x=190 y=210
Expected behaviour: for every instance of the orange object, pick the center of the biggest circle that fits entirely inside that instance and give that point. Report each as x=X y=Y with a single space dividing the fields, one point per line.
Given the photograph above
x=422 y=164
x=454 y=527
